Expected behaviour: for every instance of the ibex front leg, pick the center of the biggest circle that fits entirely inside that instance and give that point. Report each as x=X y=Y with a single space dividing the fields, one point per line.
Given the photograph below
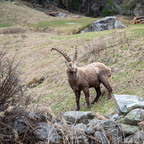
x=77 y=94
x=86 y=92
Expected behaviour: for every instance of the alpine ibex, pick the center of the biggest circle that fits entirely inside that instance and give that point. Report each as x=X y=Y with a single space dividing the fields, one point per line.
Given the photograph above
x=83 y=78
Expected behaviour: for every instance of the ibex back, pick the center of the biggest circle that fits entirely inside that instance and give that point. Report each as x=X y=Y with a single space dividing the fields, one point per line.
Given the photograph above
x=83 y=78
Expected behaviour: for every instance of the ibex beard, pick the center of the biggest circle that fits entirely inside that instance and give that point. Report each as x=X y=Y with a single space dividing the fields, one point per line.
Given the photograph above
x=83 y=78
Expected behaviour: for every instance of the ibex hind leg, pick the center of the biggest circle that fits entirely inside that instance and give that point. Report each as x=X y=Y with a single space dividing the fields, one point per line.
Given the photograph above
x=98 y=91
x=105 y=82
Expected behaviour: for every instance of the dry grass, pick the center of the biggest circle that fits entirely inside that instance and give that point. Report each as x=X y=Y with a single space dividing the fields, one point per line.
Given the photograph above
x=122 y=50
x=12 y=30
x=19 y=14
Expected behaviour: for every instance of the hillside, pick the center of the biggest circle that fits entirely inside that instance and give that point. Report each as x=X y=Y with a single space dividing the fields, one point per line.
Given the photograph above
x=45 y=71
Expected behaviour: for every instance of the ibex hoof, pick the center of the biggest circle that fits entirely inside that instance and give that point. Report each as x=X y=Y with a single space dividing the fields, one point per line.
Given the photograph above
x=93 y=102
x=88 y=107
x=108 y=98
x=77 y=109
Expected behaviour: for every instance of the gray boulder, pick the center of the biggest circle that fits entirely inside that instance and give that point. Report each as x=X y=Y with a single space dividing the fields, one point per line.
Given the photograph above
x=107 y=23
x=44 y=132
x=20 y=125
x=100 y=138
x=133 y=117
x=129 y=129
x=80 y=127
x=78 y=116
x=112 y=130
x=122 y=101
x=135 y=105
x=137 y=138
x=109 y=124
x=78 y=134
x=95 y=124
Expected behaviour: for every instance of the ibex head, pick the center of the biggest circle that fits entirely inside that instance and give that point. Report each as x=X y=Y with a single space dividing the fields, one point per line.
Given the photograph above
x=70 y=63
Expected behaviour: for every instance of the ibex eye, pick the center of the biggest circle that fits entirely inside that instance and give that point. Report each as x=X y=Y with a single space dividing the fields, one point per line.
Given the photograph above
x=70 y=65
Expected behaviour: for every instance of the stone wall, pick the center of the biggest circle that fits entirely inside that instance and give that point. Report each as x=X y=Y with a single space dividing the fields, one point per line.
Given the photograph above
x=79 y=127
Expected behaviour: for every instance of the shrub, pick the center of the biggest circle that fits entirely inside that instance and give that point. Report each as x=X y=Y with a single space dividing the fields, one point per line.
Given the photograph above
x=10 y=84
x=109 y=9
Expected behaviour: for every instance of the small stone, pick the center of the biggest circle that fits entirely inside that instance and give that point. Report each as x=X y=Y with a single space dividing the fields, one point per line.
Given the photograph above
x=80 y=127
x=95 y=124
x=116 y=117
x=44 y=132
x=100 y=138
x=33 y=116
x=129 y=129
x=108 y=116
x=109 y=124
x=78 y=116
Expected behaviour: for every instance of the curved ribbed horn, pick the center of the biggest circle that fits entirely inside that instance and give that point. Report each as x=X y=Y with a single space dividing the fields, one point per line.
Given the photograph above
x=75 y=55
x=62 y=53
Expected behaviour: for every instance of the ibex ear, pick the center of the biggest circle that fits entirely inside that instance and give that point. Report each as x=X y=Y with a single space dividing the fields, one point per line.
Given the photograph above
x=75 y=55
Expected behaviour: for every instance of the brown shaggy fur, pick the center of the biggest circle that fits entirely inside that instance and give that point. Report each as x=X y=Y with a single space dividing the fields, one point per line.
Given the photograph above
x=83 y=78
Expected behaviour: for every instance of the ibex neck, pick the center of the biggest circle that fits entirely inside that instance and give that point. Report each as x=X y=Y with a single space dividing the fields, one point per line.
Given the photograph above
x=72 y=76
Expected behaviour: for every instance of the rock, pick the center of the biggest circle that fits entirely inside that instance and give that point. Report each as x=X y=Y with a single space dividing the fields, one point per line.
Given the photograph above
x=112 y=130
x=80 y=127
x=44 y=132
x=83 y=128
x=138 y=138
x=78 y=139
x=122 y=101
x=108 y=116
x=54 y=14
x=135 y=105
x=20 y=125
x=101 y=138
x=133 y=117
x=90 y=131
x=78 y=116
x=62 y=15
x=33 y=116
x=78 y=134
x=109 y=124
x=106 y=23
x=116 y=117
x=95 y=124
x=128 y=129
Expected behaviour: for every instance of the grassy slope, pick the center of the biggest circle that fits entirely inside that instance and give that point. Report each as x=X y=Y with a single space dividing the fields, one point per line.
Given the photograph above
x=122 y=50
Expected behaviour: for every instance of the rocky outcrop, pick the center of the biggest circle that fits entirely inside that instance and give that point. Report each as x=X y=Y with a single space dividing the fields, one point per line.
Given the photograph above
x=124 y=103
x=106 y=23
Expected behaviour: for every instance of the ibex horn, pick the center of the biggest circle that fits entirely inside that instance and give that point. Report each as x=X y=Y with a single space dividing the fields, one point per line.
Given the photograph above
x=75 y=55
x=62 y=53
